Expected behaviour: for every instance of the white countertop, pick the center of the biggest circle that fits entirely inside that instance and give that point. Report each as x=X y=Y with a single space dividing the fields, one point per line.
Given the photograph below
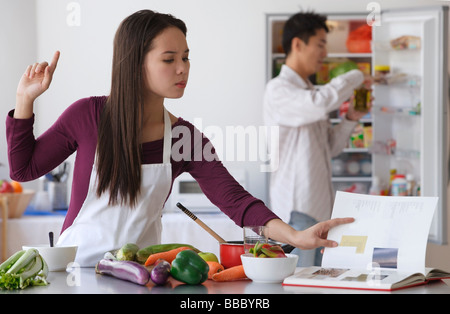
x=86 y=281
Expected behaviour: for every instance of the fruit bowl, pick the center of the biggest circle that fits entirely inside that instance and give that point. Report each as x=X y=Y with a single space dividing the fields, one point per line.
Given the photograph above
x=17 y=202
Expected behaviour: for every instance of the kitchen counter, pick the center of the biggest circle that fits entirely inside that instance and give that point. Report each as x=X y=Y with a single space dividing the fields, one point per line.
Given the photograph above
x=86 y=281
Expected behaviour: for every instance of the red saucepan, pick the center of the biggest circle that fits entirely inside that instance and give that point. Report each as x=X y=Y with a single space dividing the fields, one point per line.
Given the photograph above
x=230 y=251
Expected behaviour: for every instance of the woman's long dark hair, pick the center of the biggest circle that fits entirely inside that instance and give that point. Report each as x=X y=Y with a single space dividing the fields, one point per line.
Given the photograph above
x=119 y=133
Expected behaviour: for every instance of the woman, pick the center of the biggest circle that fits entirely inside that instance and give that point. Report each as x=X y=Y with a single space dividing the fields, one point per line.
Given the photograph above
x=125 y=163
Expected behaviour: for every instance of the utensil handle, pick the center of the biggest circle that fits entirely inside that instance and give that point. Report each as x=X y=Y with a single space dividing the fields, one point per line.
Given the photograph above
x=200 y=223
x=50 y=237
x=187 y=211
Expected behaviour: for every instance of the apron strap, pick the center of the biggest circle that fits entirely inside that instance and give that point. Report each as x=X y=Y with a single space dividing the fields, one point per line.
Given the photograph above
x=167 y=137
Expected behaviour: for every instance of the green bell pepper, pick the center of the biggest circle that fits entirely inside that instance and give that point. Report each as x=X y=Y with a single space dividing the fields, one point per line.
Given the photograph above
x=189 y=267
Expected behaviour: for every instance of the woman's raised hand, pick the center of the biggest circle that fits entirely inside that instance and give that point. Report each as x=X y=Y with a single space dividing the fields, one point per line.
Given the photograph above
x=35 y=81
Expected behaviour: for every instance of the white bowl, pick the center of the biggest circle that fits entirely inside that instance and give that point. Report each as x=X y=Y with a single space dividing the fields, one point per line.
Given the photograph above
x=57 y=257
x=269 y=270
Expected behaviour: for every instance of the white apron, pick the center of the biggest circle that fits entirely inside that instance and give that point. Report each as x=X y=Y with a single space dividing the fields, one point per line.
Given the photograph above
x=99 y=227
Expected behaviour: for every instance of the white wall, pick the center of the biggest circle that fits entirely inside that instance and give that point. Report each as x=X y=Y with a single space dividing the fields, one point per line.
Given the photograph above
x=18 y=48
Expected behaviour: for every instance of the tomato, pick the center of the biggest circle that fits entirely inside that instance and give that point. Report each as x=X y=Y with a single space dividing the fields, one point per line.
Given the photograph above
x=6 y=187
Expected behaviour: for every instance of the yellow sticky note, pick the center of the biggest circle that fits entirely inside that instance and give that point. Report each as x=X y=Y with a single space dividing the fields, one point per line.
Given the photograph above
x=357 y=241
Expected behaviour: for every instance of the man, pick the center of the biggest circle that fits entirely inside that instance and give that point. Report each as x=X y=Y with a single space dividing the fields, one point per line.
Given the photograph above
x=301 y=191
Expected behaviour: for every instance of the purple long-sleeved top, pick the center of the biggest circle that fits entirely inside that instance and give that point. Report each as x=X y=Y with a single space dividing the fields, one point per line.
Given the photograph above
x=76 y=131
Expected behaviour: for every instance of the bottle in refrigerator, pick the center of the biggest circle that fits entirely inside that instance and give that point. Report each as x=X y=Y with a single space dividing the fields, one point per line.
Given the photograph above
x=399 y=185
x=392 y=174
x=410 y=185
x=375 y=189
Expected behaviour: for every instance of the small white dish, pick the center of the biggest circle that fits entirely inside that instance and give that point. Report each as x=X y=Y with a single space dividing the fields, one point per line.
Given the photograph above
x=269 y=270
x=57 y=257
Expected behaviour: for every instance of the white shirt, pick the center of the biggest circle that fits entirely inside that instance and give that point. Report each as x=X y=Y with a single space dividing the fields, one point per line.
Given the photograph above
x=308 y=141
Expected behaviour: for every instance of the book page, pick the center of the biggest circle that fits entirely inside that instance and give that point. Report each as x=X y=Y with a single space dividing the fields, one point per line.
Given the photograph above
x=389 y=232
x=377 y=279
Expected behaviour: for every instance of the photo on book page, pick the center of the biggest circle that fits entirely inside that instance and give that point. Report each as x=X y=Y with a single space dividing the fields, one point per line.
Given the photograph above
x=389 y=232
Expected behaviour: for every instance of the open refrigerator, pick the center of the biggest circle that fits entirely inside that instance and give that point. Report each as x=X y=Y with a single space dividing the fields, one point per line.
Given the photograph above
x=407 y=129
x=410 y=108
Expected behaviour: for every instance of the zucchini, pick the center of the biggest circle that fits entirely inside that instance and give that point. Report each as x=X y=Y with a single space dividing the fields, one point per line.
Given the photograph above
x=144 y=253
x=127 y=252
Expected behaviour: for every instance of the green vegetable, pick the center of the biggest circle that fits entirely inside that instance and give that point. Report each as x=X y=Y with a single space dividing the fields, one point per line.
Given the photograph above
x=190 y=268
x=23 y=261
x=10 y=261
x=266 y=250
x=143 y=254
x=343 y=68
x=127 y=252
x=256 y=249
x=23 y=269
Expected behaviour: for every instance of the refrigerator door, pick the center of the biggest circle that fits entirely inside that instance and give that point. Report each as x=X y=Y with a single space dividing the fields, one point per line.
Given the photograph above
x=411 y=102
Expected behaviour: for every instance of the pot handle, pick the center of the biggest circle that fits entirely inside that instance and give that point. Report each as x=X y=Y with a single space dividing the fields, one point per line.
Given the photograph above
x=287 y=248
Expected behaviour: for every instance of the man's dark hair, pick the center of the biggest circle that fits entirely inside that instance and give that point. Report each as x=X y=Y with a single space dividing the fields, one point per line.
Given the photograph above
x=302 y=25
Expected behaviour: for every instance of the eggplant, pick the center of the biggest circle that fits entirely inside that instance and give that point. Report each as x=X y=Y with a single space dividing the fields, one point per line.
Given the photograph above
x=125 y=270
x=160 y=273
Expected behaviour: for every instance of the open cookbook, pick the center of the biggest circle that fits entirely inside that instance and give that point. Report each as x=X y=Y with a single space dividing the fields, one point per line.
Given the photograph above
x=384 y=249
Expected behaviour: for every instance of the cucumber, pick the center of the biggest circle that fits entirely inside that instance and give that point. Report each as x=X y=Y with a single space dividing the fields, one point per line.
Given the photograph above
x=127 y=252
x=144 y=253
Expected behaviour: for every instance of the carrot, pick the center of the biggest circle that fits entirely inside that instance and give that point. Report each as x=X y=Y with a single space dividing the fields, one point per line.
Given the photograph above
x=230 y=274
x=214 y=267
x=168 y=256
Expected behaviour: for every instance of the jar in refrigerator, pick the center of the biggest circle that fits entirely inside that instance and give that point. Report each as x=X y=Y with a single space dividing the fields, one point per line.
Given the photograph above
x=381 y=74
x=337 y=167
x=353 y=168
x=366 y=167
x=399 y=185
x=361 y=99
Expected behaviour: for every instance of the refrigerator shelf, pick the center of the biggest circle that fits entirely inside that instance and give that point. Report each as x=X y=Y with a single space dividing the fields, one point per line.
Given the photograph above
x=363 y=120
x=348 y=55
x=355 y=150
x=410 y=112
x=398 y=80
x=352 y=179
x=385 y=46
x=389 y=148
